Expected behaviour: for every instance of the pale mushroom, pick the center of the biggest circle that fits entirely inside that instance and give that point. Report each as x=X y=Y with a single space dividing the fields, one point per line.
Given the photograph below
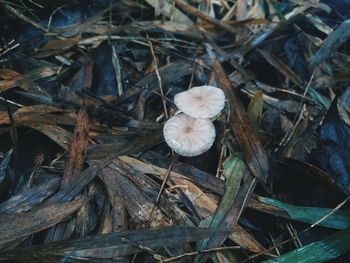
x=188 y=136
x=201 y=102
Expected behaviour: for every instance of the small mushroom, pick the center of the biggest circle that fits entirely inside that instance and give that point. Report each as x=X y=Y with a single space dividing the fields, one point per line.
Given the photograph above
x=201 y=102
x=188 y=136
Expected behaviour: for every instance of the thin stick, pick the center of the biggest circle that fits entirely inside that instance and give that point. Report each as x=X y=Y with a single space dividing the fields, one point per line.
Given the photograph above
x=144 y=248
x=188 y=254
x=155 y=64
x=162 y=259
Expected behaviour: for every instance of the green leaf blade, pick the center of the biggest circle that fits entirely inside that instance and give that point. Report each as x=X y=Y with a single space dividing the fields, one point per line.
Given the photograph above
x=326 y=249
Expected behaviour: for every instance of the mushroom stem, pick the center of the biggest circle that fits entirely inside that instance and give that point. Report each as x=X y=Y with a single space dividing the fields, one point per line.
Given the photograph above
x=166 y=177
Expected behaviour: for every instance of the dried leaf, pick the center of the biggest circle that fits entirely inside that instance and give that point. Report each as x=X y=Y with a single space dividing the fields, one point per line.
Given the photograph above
x=35 y=220
x=78 y=147
x=111 y=245
x=332 y=43
x=138 y=204
x=24 y=81
x=25 y=201
x=253 y=151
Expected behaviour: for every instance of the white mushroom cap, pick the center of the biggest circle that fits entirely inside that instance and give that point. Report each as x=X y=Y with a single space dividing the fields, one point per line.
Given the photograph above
x=188 y=136
x=201 y=102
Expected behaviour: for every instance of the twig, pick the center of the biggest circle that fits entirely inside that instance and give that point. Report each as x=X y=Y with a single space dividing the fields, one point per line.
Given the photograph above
x=155 y=64
x=194 y=253
x=144 y=248
x=164 y=97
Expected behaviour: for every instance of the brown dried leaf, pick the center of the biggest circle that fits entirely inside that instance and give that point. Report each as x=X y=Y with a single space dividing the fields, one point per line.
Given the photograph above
x=78 y=147
x=253 y=151
x=14 y=79
x=138 y=204
x=59 y=135
x=203 y=179
x=111 y=245
x=26 y=200
x=17 y=226
x=56 y=47
x=205 y=204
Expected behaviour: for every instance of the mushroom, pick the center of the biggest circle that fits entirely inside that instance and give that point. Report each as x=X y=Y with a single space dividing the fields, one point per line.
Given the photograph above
x=201 y=102
x=189 y=136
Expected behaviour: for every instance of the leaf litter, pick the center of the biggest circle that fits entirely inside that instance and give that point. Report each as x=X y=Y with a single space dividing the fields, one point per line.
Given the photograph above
x=86 y=87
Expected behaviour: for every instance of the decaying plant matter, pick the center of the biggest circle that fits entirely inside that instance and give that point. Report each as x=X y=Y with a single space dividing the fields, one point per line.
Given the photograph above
x=87 y=87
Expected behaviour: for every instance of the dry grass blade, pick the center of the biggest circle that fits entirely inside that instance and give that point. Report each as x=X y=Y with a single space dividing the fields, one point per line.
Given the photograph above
x=332 y=43
x=25 y=80
x=253 y=151
x=124 y=181
x=75 y=163
x=138 y=204
x=111 y=245
x=15 y=226
x=158 y=164
x=80 y=181
x=26 y=200
x=59 y=135
x=204 y=204
x=78 y=147
x=246 y=240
